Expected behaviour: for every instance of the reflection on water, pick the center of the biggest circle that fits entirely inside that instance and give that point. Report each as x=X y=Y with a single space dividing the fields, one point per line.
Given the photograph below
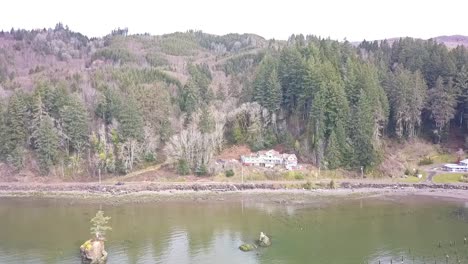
x=358 y=231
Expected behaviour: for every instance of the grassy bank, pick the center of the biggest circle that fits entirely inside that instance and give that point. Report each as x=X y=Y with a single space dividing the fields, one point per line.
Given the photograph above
x=448 y=178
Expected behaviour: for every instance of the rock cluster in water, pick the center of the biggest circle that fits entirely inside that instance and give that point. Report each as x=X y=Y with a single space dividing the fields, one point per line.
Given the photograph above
x=262 y=241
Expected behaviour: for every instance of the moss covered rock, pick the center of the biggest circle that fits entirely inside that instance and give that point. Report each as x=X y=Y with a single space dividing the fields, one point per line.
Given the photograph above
x=247 y=247
x=93 y=252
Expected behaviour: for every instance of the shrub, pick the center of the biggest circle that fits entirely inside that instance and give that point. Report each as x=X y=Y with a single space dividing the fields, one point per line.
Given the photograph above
x=201 y=170
x=407 y=172
x=464 y=178
x=308 y=185
x=229 y=173
x=298 y=176
x=270 y=139
x=332 y=184
x=426 y=161
x=150 y=157
x=182 y=167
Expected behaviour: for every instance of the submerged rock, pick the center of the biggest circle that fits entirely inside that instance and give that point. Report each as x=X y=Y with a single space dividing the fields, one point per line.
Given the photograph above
x=263 y=240
x=247 y=247
x=93 y=252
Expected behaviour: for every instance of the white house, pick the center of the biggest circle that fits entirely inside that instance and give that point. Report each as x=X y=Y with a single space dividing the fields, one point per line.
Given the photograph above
x=462 y=166
x=270 y=159
x=251 y=159
x=290 y=161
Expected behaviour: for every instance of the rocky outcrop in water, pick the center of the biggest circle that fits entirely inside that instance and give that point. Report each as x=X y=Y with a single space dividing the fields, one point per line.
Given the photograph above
x=93 y=252
x=263 y=240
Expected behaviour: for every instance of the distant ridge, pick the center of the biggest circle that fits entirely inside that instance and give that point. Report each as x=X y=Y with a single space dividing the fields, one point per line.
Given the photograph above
x=453 y=41
x=450 y=41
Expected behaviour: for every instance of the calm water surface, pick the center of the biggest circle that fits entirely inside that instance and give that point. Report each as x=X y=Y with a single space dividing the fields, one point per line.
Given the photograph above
x=343 y=232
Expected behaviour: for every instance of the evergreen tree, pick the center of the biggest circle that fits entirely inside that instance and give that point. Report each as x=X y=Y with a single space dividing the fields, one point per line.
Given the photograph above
x=189 y=100
x=237 y=133
x=75 y=123
x=3 y=133
x=221 y=93
x=367 y=79
x=15 y=127
x=266 y=87
x=52 y=98
x=442 y=102
x=333 y=154
x=183 y=167
x=206 y=124
x=461 y=86
x=272 y=94
x=352 y=87
x=201 y=78
x=99 y=225
x=130 y=135
x=317 y=128
x=293 y=76
x=330 y=105
x=406 y=92
x=154 y=103
x=108 y=105
x=130 y=120
x=362 y=127
x=201 y=170
x=47 y=145
x=37 y=114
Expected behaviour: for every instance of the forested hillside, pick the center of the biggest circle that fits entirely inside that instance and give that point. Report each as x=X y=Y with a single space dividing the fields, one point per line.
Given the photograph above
x=75 y=107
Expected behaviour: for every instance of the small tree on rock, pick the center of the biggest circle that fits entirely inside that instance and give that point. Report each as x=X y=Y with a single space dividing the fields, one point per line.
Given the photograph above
x=100 y=225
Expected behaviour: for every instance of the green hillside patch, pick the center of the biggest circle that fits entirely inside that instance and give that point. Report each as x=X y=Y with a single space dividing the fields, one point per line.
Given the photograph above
x=448 y=178
x=116 y=55
x=179 y=44
x=156 y=60
x=128 y=77
x=414 y=178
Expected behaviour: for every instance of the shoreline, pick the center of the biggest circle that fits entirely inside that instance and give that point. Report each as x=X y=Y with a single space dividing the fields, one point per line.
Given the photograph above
x=272 y=192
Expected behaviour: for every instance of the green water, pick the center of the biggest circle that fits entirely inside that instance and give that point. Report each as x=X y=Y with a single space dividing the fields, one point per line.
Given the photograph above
x=343 y=231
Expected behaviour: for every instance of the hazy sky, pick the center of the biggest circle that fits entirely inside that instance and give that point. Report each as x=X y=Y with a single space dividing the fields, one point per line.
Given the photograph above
x=338 y=19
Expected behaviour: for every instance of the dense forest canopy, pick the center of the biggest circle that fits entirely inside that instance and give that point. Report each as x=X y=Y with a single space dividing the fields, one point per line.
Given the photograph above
x=77 y=106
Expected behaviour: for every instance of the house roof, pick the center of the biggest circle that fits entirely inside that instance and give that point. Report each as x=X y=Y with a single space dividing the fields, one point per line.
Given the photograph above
x=271 y=151
x=286 y=156
x=455 y=166
x=251 y=155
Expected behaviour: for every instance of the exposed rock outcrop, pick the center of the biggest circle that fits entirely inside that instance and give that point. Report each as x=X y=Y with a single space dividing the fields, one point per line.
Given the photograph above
x=93 y=252
x=263 y=240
